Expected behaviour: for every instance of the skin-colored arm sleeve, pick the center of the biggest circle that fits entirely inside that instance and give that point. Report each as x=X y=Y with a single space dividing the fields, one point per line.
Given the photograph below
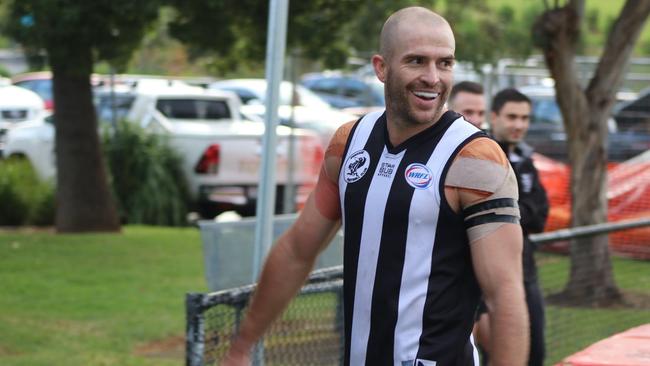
x=293 y=256
x=497 y=259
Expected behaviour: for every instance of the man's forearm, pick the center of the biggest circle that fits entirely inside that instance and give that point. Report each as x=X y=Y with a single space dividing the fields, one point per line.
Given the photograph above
x=509 y=326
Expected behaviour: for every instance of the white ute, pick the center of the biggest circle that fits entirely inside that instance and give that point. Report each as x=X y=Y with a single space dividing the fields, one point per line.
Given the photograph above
x=221 y=151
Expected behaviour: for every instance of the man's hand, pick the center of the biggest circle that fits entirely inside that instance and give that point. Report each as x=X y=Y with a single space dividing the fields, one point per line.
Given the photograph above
x=238 y=359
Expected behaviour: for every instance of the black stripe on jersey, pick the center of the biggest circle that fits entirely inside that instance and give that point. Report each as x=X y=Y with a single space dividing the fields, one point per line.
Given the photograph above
x=450 y=306
x=392 y=250
x=354 y=201
x=489 y=218
x=490 y=205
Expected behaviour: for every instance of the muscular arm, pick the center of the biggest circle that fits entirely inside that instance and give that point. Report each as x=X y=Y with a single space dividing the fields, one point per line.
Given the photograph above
x=482 y=174
x=294 y=254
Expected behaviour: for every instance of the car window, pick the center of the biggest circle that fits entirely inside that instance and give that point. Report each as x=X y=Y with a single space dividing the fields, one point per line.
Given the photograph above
x=104 y=106
x=326 y=85
x=184 y=108
x=244 y=95
x=41 y=87
x=546 y=111
x=354 y=88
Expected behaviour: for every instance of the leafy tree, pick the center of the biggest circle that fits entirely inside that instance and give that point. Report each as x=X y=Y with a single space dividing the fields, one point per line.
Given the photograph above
x=557 y=32
x=329 y=31
x=75 y=34
x=234 y=32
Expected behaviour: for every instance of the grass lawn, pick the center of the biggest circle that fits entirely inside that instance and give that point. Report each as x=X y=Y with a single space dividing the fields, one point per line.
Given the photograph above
x=96 y=299
x=118 y=299
x=570 y=329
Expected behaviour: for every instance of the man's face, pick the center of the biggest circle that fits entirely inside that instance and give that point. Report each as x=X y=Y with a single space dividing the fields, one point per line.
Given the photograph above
x=511 y=123
x=470 y=105
x=418 y=74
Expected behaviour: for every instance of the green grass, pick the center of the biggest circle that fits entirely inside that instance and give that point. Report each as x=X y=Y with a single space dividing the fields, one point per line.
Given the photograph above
x=95 y=299
x=92 y=299
x=569 y=330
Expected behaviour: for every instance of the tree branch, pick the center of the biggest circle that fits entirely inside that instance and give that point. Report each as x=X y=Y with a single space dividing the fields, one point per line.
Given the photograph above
x=617 y=51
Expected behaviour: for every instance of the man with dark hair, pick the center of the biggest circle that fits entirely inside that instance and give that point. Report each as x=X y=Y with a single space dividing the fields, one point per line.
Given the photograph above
x=467 y=99
x=428 y=206
x=509 y=123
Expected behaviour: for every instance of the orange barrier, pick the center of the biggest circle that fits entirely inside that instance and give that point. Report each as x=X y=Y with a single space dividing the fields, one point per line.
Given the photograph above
x=628 y=196
x=630 y=348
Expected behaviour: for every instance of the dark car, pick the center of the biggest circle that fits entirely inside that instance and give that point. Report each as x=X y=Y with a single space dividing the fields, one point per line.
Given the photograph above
x=547 y=136
x=634 y=115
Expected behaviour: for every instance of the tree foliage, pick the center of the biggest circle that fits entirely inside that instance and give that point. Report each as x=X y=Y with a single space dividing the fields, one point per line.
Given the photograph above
x=330 y=31
x=234 y=32
x=75 y=34
x=111 y=28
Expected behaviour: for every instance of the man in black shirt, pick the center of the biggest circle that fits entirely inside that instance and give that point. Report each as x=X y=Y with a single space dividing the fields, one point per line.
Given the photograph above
x=509 y=123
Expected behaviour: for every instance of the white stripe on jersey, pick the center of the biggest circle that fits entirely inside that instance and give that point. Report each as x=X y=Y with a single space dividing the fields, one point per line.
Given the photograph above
x=373 y=222
x=424 y=209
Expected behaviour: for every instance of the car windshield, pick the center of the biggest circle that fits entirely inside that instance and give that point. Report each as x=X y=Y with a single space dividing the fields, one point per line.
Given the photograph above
x=546 y=111
x=183 y=108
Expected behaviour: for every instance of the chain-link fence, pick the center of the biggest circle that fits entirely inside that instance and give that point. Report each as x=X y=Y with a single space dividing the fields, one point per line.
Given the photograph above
x=311 y=330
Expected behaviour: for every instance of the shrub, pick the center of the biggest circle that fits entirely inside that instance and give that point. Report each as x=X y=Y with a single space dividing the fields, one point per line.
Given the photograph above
x=24 y=199
x=146 y=177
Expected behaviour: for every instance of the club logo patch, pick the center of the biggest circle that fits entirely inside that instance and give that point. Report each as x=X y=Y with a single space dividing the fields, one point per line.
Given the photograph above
x=418 y=176
x=356 y=166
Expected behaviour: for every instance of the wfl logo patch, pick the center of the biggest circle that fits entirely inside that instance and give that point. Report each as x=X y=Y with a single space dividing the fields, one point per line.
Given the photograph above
x=418 y=176
x=356 y=166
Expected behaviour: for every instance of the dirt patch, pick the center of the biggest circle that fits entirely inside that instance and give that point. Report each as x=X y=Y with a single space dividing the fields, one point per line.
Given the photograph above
x=172 y=348
x=4 y=351
x=27 y=229
x=627 y=300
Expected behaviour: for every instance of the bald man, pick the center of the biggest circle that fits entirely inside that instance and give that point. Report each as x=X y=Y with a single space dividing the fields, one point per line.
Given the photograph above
x=430 y=217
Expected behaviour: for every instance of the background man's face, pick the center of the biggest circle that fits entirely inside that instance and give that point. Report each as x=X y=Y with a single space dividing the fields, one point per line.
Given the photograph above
x=511 y=123
x=471 y=106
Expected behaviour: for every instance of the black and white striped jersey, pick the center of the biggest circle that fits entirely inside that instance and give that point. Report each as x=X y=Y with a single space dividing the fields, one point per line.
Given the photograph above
x=409 y=286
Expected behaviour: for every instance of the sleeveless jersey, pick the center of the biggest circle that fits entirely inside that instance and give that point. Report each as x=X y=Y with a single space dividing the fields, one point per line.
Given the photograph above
x=409 y=287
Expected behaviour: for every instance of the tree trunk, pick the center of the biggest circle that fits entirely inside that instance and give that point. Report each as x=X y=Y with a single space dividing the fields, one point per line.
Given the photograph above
x=585 y=114
x=84 y=200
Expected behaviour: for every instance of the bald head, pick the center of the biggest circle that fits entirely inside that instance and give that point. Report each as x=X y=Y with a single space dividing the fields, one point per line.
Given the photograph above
x=405 y=20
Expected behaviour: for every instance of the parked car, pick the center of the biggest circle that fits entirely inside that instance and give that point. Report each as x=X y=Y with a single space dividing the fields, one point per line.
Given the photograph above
x=221 y=151
x=546 y=132
x=634 y=114
x=345 y=91
x=39 y=82
x=310 y=111
x=17 y=105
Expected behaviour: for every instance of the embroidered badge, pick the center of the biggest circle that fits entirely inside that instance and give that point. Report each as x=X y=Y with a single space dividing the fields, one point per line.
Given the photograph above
x=418 y=176
x=356 y=166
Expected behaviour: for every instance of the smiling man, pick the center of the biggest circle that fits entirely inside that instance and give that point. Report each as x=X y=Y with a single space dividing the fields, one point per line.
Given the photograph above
x=429 y=214
x=509 y=121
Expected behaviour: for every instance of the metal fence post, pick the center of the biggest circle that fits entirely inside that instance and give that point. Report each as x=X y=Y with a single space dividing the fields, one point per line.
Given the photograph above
x=195 y=337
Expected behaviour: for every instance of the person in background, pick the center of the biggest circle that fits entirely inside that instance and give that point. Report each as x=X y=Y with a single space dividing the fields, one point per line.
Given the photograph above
x=509 y=121
x=467 y=98
x=429 y=214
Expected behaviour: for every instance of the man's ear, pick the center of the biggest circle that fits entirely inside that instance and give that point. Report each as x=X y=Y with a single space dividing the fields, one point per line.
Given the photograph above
x=379 y=65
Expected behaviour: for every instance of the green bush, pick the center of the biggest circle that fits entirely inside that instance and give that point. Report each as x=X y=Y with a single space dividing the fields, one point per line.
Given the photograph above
x=24 y=200
x=146 y=177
